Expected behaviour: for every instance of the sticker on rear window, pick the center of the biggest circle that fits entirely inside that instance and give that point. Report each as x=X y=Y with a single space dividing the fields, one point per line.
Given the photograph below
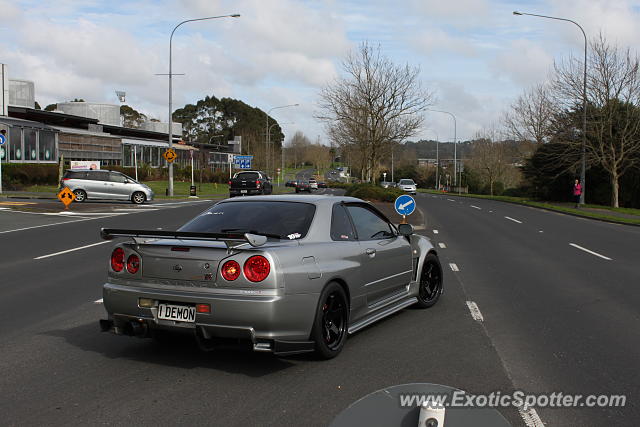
x=294 y=236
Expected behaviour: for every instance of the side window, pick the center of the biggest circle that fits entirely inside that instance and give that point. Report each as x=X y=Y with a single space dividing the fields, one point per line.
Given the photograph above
x=341 y=228
x=369 y=225
x=117 y=177
x=98 y=176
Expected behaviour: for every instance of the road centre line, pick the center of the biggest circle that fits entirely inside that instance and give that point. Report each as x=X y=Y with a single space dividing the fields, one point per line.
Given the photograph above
x=530 y=417
x=590 y=251
x=98 y=301
x=475 y=207
x=514 y=220
x=47 y=225
x=72 y=250
x=453 y=267
x=435 y=231
x=475 y=311
x=451 y=200
x=442 y=245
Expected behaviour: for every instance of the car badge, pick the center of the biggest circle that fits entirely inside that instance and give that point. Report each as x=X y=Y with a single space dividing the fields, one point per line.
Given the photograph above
x=177 y=267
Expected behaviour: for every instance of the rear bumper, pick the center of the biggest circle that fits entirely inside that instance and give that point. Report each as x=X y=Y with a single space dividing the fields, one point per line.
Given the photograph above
x=269 y=323
x=247 y=192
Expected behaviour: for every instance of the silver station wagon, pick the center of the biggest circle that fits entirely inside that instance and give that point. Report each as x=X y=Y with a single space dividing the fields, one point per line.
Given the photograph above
x=282 y=274
x=105 y=185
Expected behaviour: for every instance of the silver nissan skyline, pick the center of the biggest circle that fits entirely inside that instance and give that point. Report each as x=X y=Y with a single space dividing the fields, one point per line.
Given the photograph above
x=282 y=274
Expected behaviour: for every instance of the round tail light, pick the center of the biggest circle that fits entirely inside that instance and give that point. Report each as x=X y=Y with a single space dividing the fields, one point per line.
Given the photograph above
x=133 y=264
x=117 y=259
x=230 y=270
x=257 y=268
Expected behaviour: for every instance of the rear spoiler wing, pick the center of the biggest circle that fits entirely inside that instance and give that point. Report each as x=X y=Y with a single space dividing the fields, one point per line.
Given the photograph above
x=254 y=240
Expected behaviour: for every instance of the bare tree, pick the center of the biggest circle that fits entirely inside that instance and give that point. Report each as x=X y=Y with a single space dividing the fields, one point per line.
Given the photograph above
x=489 y=157
x=613 y=111
x=531 y=115
x=375 y=104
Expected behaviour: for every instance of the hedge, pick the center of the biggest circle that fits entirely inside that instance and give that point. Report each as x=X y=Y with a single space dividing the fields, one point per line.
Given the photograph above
x=16 y=176
x=373 y=192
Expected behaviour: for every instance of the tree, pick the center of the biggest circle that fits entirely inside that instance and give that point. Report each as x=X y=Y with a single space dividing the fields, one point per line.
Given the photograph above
x=489 y=158
x=37 y=106
x=531 y=115
x=131 y=118
x=376 y=104
x=51 y=107
x=613 y=110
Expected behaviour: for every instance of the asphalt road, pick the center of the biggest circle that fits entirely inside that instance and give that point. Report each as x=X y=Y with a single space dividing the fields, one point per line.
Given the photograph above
x=556 y=318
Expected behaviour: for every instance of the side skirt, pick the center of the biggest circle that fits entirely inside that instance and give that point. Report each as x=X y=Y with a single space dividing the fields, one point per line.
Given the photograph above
x=377 y=315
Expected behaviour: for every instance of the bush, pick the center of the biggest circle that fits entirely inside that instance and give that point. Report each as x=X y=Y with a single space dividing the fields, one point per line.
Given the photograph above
x=373 y=192
x=16 y=176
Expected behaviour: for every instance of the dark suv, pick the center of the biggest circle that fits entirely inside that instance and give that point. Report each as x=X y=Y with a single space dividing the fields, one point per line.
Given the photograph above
x=105 y=184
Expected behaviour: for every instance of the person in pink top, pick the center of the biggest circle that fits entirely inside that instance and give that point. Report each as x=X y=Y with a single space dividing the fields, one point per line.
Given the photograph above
x=577 y=191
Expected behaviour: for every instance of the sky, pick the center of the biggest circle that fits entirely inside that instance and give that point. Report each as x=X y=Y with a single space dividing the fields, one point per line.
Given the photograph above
x=475 y=56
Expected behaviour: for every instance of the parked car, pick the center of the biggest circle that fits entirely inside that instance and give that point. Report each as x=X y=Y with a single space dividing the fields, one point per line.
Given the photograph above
x=105 y=185
x=291 y=183
x=247 y=183
x=407 y=185
x=387 y=184
x=322 y=185
x=313 y=184
x=283 y=274
x=303 y=186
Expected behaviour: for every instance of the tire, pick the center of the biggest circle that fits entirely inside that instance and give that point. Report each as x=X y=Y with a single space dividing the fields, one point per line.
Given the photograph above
x=81 y=195
x=138 y=198
x=430 y=285
x=330 y=325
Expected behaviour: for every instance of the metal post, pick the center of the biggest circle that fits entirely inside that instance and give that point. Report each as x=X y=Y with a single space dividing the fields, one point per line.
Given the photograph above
x=455 y=143
x=170 y=130
x=135 y=159
x=583 y=166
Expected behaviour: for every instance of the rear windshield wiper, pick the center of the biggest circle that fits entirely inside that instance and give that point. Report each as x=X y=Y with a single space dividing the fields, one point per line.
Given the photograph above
x=245 y=230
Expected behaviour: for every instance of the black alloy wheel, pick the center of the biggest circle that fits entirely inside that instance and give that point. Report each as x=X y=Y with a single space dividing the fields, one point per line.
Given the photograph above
x=430 y=286
x=330 y=326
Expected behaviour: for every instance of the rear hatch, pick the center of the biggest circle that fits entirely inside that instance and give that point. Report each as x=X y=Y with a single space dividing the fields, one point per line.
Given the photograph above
x=245 y=181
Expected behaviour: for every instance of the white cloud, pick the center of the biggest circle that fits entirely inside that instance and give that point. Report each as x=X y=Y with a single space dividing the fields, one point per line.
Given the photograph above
x=524 y=63
x=435 y=40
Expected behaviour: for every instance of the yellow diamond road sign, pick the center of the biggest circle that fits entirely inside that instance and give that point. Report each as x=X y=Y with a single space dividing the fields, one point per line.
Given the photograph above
x=66 y=196
x=169 y=155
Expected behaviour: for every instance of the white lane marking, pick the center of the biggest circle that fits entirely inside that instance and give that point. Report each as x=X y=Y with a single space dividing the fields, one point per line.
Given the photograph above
x=589 y=251
x=540 y=231
x=475 y=311
x=69 y=213
x=514 y=220
x=451 y=200
x=98 y=301
x=4 y=209
x=47 y=225
x=453 y=267
x=435 y=231
x=475 y=207
x=442 y=245
x=530 y=417
x=490 y=211
x=72 y=250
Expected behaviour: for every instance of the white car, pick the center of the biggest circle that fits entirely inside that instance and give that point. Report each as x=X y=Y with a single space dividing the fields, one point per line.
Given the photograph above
x=408 y=186
x=313 y=184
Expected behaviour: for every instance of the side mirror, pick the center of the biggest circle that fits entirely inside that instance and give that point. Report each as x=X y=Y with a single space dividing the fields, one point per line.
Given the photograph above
x=405 y=229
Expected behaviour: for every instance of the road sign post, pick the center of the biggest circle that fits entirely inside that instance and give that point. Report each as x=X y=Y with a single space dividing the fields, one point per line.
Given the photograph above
x=66 y=196
x=3 y=153
x=405 y=205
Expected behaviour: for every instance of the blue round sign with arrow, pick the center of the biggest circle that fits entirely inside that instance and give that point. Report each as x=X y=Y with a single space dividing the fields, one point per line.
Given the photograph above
x=405 y=205
x=3 y=139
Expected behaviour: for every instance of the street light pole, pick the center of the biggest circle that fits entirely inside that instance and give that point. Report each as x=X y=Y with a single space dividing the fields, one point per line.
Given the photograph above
x=170 y=130
x=455 y=143
x=267 y=136
x=583 y=167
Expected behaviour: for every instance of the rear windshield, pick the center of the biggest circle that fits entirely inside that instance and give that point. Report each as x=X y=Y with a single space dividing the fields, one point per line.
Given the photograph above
x=289 y=220
x=247 y=175
x=406 y=182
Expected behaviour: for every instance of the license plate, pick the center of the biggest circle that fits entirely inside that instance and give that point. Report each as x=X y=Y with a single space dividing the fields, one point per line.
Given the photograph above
x=243 y=191
x=178 y=313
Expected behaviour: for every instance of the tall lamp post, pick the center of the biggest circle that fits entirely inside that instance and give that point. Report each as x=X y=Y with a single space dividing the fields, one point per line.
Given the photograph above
x=455 y=143
x=583 y=166
x=170 y=130
x=267 y=136
x=281 y=149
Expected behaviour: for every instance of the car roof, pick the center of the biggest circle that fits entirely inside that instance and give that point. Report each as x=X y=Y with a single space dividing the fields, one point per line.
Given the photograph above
x=299 y=198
